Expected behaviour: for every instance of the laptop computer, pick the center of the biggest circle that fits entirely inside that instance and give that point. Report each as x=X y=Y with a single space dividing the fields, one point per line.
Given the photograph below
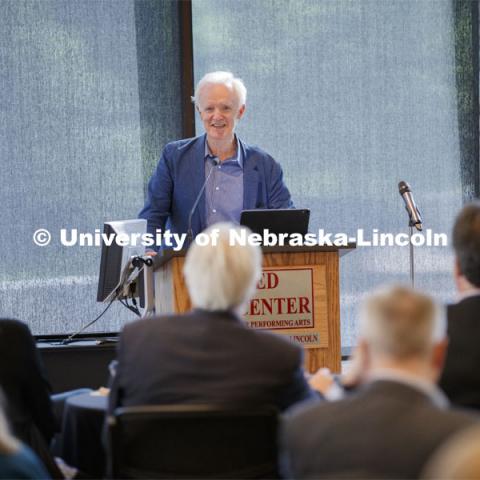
x=286 y=220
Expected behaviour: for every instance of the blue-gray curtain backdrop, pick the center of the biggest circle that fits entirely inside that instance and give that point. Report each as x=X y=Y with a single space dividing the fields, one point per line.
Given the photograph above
x=351 y=97
x=89 y=94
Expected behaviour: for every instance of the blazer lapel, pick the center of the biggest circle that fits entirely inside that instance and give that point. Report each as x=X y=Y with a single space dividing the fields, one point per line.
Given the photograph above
x=198 y=175
x=250 y=178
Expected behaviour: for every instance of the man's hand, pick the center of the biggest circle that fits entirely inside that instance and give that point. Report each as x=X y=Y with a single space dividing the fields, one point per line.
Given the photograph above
x=357 y=368
x=321 y=380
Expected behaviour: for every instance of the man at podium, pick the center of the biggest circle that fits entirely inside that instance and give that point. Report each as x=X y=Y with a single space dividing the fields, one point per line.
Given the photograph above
x=212 y=178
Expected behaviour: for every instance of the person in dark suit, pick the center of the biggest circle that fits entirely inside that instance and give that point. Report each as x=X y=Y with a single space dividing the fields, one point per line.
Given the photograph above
x=460 y=379
x=209 y=355
x=29 y=408
x=239 y=176
x=390 y=426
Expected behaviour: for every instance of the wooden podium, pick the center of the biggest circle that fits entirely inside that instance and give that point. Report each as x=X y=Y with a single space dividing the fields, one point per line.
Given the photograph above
x=311 y=318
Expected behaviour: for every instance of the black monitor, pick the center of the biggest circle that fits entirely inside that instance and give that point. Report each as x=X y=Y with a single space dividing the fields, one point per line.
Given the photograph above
x=288 y=220
x=115 y=261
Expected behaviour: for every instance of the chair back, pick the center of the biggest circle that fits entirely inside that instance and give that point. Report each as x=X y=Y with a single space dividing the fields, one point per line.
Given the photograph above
x=192 y=441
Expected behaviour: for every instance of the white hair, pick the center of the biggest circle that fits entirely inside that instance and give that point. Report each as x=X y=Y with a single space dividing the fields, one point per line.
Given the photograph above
x=222 y=78
x=221 y=276
x=401 y=323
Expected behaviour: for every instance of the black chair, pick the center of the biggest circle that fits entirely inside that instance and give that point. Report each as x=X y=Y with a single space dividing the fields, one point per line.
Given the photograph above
x=192 y=441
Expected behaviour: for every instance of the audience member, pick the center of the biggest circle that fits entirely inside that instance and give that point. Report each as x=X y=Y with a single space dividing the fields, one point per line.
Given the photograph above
x=457 y=459
x=396 y=419
x=461 y=375
x=27 y=392
x=17 y=460
x=209 y=355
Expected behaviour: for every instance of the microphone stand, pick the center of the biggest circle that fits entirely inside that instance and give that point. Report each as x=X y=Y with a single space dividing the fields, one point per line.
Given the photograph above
x=412 y=264
x=414 y=220
x=197 y=200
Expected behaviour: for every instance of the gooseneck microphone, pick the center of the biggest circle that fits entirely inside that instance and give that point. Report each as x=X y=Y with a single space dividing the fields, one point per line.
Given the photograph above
x=192 y=211
x=413 y=212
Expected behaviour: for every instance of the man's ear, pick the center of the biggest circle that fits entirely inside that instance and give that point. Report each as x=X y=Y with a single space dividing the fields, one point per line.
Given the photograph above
x=365 y=353
x=439 y=354
x=241 y=111
x=461 y=282
x=456 y=268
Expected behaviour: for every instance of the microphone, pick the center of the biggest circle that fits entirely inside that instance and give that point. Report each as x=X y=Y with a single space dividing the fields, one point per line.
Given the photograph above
x=413 y=212
x=192 y=211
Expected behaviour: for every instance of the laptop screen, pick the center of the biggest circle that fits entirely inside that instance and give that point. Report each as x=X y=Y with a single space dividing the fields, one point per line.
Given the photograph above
x=288 y=220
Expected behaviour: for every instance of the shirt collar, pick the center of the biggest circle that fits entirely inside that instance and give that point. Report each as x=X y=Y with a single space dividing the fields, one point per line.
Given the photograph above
x=431 y=391
x=238 y=158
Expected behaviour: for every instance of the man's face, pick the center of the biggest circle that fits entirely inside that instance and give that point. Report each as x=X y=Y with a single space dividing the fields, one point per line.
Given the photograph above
x=219 y=110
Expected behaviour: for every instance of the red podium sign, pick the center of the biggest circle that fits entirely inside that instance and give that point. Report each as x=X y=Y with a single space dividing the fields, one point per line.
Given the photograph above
x=284 y=303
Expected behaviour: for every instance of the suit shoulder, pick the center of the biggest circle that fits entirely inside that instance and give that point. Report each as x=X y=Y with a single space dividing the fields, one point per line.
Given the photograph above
x=183 y=144
x=301 y=417
x=461 y=416
x=146 y=324
x=465 y=311
x=257 y=149
x=258 y=153
x=278 y=345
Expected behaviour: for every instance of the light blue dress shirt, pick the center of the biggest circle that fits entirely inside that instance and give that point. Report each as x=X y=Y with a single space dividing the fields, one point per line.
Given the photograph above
x=224 y=189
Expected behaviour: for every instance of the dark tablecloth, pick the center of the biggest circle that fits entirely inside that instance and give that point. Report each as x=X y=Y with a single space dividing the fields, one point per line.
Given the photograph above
x=81 y=444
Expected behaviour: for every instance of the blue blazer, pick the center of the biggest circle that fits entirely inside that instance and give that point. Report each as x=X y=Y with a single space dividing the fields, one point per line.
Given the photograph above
x=179 y=177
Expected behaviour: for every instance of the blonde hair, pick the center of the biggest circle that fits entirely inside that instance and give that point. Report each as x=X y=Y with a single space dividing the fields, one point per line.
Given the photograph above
x=222 y=78
x=220 y=276
x=401 y=323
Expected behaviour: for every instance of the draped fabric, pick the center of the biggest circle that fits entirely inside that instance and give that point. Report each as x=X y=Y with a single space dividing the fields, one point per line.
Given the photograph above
x=349 y=96
x=352 y=97
x=89 y=91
